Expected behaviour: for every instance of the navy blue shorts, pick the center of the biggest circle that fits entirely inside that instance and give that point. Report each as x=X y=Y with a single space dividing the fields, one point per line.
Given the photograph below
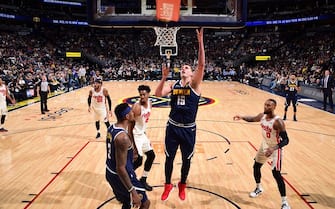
x=292 y=99
x=180 y=136
x=121 y=193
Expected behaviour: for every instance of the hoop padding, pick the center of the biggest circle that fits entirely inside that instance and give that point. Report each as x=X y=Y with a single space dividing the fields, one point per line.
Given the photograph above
x=166 y=36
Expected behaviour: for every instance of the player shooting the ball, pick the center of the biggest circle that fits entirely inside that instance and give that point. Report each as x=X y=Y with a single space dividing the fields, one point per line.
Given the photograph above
x=181 y=127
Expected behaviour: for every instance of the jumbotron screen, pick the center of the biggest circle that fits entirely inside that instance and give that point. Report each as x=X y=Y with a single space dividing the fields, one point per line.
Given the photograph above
x=216 y=13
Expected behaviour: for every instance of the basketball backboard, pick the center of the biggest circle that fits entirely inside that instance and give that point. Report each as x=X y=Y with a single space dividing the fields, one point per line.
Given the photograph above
x=142 y=13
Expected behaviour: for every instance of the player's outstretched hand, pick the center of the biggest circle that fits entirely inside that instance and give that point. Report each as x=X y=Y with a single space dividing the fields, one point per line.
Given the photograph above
x=165 y=70
x=200 y=33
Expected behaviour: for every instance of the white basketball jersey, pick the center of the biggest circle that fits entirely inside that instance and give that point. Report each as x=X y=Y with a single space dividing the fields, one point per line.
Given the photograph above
x=98 y=99
x=270 y=136
x=141 y=121
x=3 y=94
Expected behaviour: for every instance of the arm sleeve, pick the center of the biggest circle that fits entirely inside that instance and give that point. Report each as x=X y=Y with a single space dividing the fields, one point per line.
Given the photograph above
x=284 y=139
x=109 y=103
x=89 y=100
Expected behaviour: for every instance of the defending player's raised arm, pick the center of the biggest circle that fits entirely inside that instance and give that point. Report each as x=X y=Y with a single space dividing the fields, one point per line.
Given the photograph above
x=163 y=90
x=256 y=118
x=200 y=70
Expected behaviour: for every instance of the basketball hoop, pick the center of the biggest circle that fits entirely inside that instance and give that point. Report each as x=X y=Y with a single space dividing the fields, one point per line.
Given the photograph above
x=166 y=36
x=166 y=40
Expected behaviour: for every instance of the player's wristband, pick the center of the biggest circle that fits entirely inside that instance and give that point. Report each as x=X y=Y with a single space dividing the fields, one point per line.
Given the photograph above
x=131 y=189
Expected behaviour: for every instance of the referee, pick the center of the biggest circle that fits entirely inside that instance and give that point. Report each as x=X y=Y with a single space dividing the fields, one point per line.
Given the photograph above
x=43 y=90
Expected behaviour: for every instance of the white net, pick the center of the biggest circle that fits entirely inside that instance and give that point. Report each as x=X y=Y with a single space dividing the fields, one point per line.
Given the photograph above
x=166 y=36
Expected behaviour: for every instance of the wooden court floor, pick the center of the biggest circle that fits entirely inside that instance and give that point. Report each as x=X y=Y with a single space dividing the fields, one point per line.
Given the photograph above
x=55 y=161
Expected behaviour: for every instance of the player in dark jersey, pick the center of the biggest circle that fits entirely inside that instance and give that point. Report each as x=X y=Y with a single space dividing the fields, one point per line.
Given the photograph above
x=181 y=127
x=120 y=172
x=292 y=87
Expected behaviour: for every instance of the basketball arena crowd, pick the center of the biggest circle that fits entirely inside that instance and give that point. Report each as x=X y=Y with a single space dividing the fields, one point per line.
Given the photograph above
x=130 y=54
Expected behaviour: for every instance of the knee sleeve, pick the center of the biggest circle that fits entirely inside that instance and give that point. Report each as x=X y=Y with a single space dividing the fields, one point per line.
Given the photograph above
x=276 y=174
x=107 y=124
x=97 y=125
x=138 y=162
x=280 y=182
x=149 y=161
x=257 y=172
x=3 y=118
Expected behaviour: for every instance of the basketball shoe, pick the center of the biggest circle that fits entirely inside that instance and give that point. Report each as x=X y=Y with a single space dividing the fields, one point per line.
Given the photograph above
x=182 y=193
x=256 y=192
x=285 y=205
x=147 y=187
x=98 y=135
x=3 y=130
x=295 y=118
x=167 y=189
